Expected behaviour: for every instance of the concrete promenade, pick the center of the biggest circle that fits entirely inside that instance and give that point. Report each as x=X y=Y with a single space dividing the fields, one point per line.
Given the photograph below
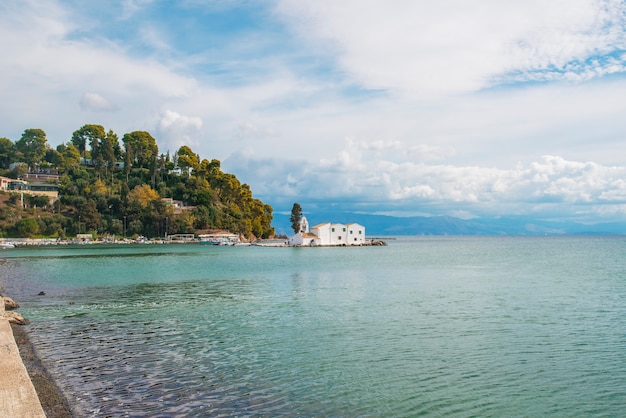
x=17 y=394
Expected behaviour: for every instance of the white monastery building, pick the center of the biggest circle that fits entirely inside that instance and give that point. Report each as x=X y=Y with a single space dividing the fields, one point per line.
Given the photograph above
x=328 y=234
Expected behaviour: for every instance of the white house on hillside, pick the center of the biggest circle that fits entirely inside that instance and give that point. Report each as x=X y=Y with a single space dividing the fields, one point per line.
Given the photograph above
x=328 y=234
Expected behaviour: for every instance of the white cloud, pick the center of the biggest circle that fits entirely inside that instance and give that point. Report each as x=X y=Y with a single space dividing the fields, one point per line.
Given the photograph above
x=96 y=102
x=58 y=71
x=434 y=97
x=582 y=189
x=130 y=7
x=177 y=130
x=429 y=49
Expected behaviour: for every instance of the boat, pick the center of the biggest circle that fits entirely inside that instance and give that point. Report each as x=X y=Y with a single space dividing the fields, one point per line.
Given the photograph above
x=5 y=245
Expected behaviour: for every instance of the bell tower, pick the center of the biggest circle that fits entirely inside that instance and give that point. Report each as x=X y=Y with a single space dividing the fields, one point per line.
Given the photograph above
x=304 y=225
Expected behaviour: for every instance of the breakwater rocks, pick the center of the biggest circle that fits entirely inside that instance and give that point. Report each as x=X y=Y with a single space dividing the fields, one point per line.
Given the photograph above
x=378 y=243
x=10 y=314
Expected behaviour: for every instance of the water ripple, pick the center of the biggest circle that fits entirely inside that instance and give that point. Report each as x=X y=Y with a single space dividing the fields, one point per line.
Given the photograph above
x=436 y=327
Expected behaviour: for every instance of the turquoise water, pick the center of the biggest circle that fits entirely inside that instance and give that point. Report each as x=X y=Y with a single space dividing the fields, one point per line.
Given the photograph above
x=447 y=326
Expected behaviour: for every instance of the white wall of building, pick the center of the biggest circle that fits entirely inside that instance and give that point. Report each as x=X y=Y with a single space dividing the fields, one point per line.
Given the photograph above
x=323 y=232
x=297 y=239
x=356 y=234
x=337 y=234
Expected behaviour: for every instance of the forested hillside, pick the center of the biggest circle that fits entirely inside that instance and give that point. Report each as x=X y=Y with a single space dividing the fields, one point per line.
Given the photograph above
x=112 y=186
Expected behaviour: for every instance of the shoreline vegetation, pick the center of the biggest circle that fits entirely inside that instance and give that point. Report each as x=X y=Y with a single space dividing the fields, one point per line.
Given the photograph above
x=98 y=184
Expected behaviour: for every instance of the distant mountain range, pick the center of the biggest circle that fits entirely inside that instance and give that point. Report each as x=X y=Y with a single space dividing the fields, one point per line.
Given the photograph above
x=448 y=225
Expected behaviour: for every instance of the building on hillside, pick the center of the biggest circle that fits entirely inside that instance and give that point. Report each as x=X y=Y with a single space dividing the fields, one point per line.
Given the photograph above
x=5 y=183
x=42 y=176
x=328 y=234
x=177 y=206
x=49 y=190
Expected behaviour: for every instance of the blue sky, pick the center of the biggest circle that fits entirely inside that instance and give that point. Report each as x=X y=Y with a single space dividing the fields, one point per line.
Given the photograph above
x=469 y=109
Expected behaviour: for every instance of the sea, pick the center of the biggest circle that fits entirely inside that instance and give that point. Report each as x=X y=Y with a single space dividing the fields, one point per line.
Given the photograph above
x=423 y=327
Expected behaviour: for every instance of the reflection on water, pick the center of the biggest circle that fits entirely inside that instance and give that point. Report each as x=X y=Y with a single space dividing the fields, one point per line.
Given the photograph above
x=428 y=326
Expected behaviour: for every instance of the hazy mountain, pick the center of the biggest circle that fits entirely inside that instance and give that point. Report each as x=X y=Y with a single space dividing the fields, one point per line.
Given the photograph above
x=447 y=225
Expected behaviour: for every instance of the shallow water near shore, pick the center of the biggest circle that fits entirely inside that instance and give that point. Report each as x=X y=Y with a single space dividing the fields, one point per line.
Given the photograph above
x=427 y=326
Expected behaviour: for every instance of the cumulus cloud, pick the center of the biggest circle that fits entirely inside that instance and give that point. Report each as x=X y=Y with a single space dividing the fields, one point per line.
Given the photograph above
x=96 y=102
x=438 y=100
x=429 y=49
x=583 y=189
x=49 y=62
x=176 y=130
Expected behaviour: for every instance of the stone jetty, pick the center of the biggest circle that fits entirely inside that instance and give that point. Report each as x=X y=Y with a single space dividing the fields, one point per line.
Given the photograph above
x=18 y=397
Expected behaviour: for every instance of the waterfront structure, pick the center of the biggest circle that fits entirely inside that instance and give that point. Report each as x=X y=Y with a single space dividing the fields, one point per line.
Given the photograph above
x=328 y=234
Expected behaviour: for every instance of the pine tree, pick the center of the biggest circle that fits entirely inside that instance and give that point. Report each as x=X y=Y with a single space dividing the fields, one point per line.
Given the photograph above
x=296 y=216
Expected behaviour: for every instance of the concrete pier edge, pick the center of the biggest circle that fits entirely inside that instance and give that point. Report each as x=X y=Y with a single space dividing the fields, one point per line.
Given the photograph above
x=18 y=397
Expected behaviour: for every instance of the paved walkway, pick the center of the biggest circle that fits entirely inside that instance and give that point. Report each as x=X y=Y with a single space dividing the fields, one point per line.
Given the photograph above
x=18 y=398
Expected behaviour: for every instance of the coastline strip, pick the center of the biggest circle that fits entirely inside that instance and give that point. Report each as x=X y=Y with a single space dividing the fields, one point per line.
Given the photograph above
x=18 y=397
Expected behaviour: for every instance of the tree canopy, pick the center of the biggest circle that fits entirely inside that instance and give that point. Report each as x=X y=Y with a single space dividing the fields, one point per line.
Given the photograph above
x=87 y=135
x=144 y=148
x=32 y=146
x=129 y=188
x=7 y=152
x=296 y=217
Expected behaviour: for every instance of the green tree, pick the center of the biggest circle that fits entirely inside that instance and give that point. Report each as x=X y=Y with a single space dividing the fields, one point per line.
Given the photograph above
x=88 y=134
x=27 y=227
x=144 y=148
x=128 y=159
x=108 y=148
x=33 y=146
x=19 y=170
x=71 y=156
x=187 y=159
x=202 y=217
x=116 y=227
x=215 y=168
x=135 y=227
x=54 y=158
x=296 y=216
x=7 y=152
x=89 y=215
x=204 y=168
x=39 y=201
x=98 y=203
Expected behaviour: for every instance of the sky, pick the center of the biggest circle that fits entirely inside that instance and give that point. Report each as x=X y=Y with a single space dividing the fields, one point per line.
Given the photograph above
x=400 y=107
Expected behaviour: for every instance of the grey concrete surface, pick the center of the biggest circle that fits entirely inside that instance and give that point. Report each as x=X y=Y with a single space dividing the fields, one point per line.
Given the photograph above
x=18 y=398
